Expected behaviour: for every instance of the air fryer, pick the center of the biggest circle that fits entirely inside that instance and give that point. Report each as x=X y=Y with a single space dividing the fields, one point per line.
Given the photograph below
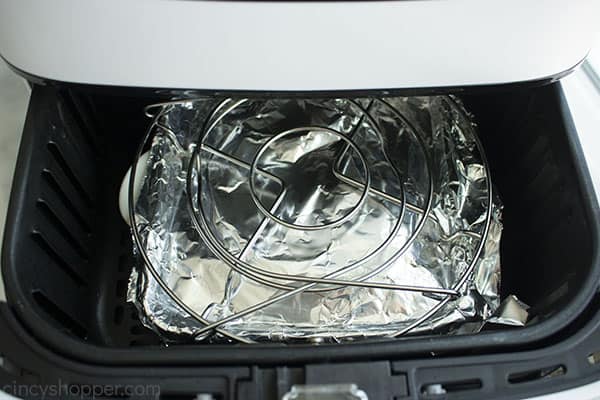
x=67 y=254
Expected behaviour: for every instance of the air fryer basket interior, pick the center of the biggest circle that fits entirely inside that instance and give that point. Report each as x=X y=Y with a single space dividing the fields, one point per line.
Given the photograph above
x=68 y=254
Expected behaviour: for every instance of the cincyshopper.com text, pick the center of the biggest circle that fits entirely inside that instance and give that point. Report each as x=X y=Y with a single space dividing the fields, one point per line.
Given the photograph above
x=84 y=391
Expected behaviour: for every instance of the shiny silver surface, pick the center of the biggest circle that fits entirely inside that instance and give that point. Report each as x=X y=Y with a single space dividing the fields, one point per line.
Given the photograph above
x=319 y=219
x=347 y=391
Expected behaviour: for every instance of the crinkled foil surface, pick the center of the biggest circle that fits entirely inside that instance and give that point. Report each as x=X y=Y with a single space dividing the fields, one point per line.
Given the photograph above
x=421 y=222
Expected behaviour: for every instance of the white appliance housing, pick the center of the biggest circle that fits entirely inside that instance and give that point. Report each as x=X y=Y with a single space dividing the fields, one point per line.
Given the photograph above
x=296 y=46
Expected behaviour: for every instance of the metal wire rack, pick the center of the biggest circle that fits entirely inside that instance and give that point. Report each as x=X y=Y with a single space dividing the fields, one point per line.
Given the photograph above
x=293 y=284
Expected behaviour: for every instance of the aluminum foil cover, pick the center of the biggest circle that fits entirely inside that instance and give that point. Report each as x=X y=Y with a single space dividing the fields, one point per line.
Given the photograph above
x=421 y=223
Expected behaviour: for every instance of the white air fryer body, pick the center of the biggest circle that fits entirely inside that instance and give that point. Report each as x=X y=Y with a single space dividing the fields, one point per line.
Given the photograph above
x=296 y=46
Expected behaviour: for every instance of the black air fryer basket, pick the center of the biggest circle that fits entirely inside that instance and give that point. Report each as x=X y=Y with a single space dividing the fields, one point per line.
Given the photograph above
x=67 y=257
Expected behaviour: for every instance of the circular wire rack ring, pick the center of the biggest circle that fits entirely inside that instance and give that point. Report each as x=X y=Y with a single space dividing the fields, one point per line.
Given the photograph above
x=354 y=209
x=209 y=326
